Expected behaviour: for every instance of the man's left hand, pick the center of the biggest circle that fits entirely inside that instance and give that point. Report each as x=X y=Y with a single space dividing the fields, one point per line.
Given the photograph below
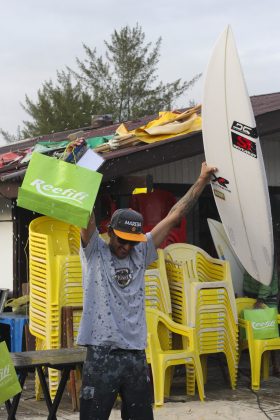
x=207 y=171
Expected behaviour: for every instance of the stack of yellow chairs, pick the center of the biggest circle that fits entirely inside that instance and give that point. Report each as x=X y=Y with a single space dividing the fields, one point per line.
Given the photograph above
x=161 y=330
x=55 y=281
x=155 y=295
x=159 y=265
x=202 y=297
x=156 y=285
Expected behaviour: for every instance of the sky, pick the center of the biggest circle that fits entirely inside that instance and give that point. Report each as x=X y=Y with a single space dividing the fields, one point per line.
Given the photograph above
x=40 y=37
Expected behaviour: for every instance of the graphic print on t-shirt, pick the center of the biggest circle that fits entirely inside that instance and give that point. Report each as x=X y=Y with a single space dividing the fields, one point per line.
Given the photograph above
x=123 y=277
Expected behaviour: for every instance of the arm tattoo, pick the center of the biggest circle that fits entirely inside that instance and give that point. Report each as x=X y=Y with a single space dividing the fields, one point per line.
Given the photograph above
x=186 y=203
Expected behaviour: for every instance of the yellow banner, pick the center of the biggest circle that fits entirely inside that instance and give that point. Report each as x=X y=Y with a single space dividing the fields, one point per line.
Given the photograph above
x=153 y=132
x=167 y=125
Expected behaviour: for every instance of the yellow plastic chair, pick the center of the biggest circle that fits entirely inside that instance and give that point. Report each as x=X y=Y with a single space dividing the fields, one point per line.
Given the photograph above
x=162 y=359
x=259 y=350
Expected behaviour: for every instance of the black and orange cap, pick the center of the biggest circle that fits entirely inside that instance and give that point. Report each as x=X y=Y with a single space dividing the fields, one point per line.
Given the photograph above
x=128 y=224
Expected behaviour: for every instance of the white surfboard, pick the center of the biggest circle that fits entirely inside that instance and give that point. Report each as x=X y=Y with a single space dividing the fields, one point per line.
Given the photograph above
x=226 y=252
x=231 y=144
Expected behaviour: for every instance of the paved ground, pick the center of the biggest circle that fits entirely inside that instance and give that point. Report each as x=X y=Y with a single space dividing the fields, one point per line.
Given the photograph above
x=221 y=401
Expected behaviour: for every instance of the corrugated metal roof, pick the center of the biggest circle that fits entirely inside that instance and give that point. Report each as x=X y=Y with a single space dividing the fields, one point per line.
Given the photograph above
x=265 y=103
x=262 y=104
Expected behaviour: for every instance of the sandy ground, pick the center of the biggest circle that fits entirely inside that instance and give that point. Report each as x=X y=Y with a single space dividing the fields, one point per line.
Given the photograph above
x=212 y=410
x=221 y=402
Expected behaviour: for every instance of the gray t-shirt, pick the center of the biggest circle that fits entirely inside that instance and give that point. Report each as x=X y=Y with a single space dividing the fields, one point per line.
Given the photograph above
x=114 y=295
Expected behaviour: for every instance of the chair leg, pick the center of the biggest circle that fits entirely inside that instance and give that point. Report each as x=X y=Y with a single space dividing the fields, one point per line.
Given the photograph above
x=168 y=380
x=256 y=358
x=203 y=359
x=159 y=389
x=265 y=365
x=158 y=372
x=232 y=370
x=199 y=378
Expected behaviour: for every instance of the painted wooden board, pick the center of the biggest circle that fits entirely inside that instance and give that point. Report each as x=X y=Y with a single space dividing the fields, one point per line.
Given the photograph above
x=231 y=144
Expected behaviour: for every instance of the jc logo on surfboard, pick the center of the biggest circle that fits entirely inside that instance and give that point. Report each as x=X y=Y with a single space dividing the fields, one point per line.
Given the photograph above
x=245 y=129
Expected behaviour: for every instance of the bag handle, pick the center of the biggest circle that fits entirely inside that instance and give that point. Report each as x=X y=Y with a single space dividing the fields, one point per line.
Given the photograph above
x=71 y=152
x=73 y=146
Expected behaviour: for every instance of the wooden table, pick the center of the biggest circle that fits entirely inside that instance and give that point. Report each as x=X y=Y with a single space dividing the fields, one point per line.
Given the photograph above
x=61 y=359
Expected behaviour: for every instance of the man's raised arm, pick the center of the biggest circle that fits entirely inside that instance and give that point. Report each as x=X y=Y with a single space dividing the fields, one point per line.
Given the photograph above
x=183 y=206
x=87 y=233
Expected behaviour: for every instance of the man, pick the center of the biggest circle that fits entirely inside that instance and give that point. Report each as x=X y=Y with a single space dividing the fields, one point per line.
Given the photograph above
x=266 y=296
x=113 y=325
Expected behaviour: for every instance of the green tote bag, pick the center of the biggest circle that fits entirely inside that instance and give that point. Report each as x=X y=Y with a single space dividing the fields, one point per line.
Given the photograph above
x=9 y=384
x=264 y=322
x=59 y=189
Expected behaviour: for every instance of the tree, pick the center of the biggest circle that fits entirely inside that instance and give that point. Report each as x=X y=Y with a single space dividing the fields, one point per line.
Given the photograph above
x=124 y=82
x=59 y=107
x=12 y=138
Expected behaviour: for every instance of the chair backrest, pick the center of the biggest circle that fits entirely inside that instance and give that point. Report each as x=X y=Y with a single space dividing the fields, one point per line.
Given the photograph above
x=244 y=303
x=211 y=269
x=180 y=252
x=200 y=265
x=64 y=239
x=179 y=291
